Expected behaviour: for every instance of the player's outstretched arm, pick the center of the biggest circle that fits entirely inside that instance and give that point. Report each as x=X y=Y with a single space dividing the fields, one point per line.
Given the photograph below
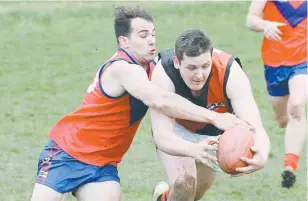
x=166 y=141
x=135 y=80
x=242 y=100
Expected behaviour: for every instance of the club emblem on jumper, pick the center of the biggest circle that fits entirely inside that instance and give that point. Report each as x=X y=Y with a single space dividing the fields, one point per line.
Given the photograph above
x=215 y=106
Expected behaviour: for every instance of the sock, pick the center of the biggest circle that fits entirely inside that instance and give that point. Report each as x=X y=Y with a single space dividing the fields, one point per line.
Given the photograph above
x=291 y=160
x=163 y=197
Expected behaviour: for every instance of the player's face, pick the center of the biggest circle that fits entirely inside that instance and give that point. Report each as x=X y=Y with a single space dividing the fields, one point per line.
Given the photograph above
x=141 y=42
x=195 y=70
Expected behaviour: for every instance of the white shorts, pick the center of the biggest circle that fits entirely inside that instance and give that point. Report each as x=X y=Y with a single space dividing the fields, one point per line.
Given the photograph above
x=182 y=132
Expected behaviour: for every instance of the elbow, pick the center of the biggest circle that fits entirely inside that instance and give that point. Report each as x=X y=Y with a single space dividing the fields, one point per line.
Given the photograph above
x=254 y=23
x=249 y=23
x=157 y=103
x=157 y=141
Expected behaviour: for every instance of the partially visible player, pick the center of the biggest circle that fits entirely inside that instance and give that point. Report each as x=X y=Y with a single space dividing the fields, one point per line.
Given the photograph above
x=86 y=146
x=284 y=54
x=214 y=80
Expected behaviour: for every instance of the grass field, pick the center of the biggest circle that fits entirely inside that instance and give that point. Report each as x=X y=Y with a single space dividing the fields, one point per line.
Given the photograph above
x=49 y=53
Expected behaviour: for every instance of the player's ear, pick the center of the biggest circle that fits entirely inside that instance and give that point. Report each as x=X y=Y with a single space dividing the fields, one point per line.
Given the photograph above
x=123 y=41
x=176 y=62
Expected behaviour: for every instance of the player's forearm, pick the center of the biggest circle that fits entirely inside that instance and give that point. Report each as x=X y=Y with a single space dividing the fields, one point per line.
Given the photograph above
x=179 y=107
x=262 y=142
x=173 y=145
x=255 y=23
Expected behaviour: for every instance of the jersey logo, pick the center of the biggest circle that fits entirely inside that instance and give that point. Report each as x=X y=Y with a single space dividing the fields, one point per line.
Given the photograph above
x=215 y=106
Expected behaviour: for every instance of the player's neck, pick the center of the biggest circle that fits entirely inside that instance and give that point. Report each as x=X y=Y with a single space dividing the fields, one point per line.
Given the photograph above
x=141 y=61
x=196 y=93
x=136 y=58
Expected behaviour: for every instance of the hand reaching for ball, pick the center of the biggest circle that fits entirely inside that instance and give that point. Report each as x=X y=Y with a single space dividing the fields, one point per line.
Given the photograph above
x=257 y=162
x=204 y=149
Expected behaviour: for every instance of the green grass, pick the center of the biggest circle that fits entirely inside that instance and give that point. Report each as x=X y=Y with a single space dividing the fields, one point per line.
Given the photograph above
x=49 y=53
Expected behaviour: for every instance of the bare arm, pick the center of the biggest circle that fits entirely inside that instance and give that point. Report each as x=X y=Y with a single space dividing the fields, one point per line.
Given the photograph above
x=254 y=17
x=256 y=23
x=135 y=80
x=242 y=100
x=164 y=137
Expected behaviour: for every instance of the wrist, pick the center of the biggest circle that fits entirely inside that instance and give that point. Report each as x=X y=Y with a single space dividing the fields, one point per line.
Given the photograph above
x=262 y=152
x=264 y=24
x=191 y=150
x=211 y=117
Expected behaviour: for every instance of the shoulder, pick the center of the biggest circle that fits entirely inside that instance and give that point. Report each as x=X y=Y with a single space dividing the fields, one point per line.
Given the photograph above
x=160 y=77
x=238 y=82
x=166 y=56
x=223 y=61
x=121 y=67
x=256 y=7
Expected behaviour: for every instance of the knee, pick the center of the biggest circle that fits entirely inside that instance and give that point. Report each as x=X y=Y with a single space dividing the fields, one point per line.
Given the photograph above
x=296 y=108
x=185 y=183
x=282 y=121
x=204 y=187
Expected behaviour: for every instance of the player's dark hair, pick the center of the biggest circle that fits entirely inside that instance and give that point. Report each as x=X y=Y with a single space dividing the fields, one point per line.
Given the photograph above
x=124 y=15
x=192 y=43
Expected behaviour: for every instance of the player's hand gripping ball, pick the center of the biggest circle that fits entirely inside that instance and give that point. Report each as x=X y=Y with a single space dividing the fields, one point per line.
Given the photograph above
x=234 y=143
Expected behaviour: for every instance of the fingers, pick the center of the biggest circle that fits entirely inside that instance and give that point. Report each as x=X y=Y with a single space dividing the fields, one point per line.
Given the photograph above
x=271 y=37
x=238 y=175
x=213 y=141
x=246 y=169
x=228 y=120
x=207 y=163
x=240 y=122
x=210 y=157
x=273 y=34
x=249 y=161
x=279 y=24
x=208 y=160
x=208 y=144
x=210 y=147
x=276 y=36
x=272 y=31
x=253 y=149
x=206 y=157
x=278 y=31
x=252 y=165
x=243 y=123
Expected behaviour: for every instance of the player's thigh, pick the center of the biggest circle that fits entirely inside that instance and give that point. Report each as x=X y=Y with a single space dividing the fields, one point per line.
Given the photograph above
x=99 y=191
x=42 y=192
x=177 y=168
x=205 y=178
x=298 y=88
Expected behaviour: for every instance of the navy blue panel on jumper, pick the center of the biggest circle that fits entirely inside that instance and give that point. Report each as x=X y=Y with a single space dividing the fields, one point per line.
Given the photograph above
x=293 y=15
x=137 y=109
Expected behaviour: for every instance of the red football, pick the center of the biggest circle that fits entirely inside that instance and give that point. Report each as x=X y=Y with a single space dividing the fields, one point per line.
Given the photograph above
x=233 y=144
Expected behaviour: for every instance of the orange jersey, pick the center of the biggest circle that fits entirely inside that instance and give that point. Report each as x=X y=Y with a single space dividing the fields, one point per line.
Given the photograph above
x=292 y=49
x=213 y=95
x=101 y=130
